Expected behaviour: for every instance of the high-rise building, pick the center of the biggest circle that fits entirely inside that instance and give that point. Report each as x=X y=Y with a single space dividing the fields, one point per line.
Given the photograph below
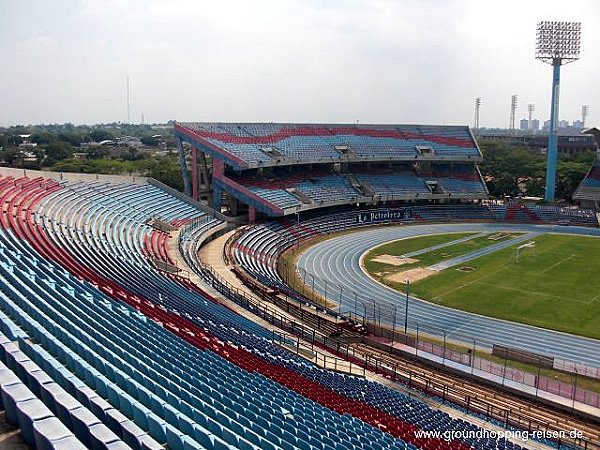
x=546 y=126
x=524 y=125
x=530 y=125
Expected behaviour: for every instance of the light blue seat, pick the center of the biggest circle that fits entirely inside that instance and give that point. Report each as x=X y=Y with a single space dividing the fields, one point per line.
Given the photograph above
x=28 y=412
x=12 y=394
x=50 y=433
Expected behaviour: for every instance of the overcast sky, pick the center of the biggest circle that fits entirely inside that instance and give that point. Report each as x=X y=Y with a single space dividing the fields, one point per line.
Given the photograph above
x=376 y=61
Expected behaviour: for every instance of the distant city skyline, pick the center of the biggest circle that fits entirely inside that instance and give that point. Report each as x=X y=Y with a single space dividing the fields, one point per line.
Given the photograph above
x=375 y=61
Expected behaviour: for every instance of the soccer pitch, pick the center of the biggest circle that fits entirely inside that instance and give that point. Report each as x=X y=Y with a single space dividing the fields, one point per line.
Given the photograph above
x=555 y=285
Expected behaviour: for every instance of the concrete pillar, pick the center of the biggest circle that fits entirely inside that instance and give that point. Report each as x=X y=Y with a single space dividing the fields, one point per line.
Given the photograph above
x=195 y=173
x=217 y=197
x=183 y=167
x=233 y=206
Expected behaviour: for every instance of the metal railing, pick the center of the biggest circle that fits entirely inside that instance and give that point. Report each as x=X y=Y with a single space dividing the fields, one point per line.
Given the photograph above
x=313 y=328
x=384 y=321
x=411 y=378
x=311 y=353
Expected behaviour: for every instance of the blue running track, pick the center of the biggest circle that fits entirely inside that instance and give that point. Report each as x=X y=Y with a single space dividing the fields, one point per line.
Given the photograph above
x=337 y=260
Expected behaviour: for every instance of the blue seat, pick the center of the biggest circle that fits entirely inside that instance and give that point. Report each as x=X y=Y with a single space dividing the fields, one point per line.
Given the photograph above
x=28 y=412
x=145 y=384
x=50 y=434
x=13 y=394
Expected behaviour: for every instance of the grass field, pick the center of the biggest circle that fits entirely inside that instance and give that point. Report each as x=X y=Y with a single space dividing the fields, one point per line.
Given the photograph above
x=401 y=247
x=557 y=286
x=381 y=270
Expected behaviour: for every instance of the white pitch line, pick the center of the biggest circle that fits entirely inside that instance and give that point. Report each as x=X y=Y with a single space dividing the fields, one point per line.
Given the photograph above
x=558 y=263
x=593 y=299
x=438 y=317
x=542 y=294
x=477 y=280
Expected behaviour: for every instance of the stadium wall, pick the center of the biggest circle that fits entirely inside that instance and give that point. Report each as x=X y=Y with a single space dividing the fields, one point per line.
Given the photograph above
x=72 y=176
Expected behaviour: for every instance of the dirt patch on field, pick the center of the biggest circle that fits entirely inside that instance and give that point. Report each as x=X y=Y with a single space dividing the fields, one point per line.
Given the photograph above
x=466 y=269
x=412 y=275
x=394 y=260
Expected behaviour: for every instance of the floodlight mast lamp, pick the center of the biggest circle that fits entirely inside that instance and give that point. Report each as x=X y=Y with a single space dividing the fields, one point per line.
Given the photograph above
x=557 y=44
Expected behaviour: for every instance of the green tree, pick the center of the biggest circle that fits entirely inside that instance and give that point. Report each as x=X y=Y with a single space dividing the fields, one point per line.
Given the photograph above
x=133 y=154
x=100 y=135
x=39 y=155
x=166 y=170
x=587 y=158
x=535 y=186
x=510 y=169
x=74 y=138
x=150 y=141
x=13 y=139
x=569 y=175
x=10 y=155
x=43 y=138
x=72 y=165
x=97 y=152
x=58 y=151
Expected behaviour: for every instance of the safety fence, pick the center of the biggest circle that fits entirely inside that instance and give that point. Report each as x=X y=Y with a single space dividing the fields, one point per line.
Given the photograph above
x=260 y=305
x=567 y=389
x=387 y=321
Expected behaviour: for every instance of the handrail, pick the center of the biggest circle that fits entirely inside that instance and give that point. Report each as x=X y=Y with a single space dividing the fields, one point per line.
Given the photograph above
x=411 y=378
x=318 y=357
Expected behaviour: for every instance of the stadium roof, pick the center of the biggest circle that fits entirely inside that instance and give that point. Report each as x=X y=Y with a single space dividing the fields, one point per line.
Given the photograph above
x=250 y=145
x=594 y=131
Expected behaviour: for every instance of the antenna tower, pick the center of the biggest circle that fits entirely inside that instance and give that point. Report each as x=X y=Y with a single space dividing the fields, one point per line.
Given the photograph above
x=128 y=109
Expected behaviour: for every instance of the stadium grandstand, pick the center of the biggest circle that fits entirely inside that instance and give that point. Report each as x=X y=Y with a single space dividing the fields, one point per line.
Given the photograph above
x=116 y=334
x=282 y=169
x=101 y=350
x=588 y=192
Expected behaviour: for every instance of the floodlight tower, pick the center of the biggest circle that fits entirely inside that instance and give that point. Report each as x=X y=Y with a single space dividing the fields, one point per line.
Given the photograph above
x=477 y=105
x=513 y=110
x=557 y=44
x=585 y=110
x=530 y=110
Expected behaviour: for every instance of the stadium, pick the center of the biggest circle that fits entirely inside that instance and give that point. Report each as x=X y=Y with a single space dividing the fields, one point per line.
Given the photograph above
x=241 y=314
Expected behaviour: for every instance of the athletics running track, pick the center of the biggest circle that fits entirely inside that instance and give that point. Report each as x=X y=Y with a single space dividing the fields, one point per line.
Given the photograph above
x=338 y=261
